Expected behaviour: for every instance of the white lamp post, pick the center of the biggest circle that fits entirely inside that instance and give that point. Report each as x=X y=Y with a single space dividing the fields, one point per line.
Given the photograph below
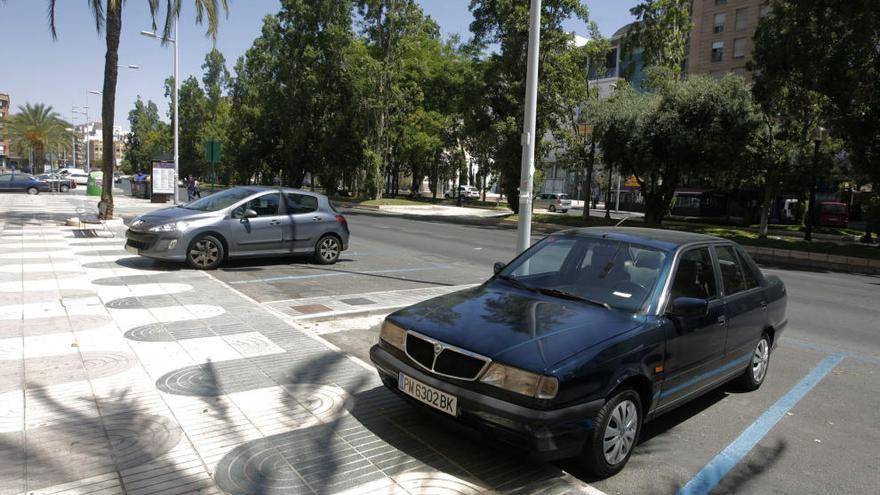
x=527 y=170
x=152 y=34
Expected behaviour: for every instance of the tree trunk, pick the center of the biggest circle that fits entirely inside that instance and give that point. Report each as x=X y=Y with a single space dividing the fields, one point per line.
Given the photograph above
x=588 y=180
x=113 y=26
x=769 y=189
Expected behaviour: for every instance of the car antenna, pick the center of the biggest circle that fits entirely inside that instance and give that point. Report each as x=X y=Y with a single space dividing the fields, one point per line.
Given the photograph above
x=621 y=221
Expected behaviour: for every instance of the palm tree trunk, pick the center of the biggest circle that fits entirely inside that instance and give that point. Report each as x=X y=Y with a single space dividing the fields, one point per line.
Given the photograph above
x=108 y=105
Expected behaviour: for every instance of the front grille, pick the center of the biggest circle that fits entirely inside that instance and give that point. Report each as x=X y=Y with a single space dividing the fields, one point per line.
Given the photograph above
x=449 y=361
x=140 y=241
x=138 y=244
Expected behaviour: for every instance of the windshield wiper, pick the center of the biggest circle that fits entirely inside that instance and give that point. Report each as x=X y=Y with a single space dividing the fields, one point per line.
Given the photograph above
x=516 y=283
x=574 y=297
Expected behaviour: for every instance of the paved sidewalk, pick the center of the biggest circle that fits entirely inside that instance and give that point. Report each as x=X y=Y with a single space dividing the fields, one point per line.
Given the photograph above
x=121 y=375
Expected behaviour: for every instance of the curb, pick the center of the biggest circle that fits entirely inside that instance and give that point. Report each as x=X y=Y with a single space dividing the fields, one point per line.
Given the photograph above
x=814 y=260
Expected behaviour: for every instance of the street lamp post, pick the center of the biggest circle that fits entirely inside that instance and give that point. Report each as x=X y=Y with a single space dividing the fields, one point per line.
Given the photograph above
x=527 y=169
x=152 y=34
x=819 y=135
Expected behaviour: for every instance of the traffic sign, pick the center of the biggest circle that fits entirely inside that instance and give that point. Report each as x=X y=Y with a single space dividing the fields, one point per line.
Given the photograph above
x=212 y=151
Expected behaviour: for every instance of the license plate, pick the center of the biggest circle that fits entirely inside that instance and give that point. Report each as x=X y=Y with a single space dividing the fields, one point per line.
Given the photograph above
x=131 y=249
x=428 y=395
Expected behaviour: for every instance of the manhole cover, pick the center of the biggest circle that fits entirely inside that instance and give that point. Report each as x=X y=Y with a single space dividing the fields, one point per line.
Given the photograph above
x=308 y=309
x=358 y=301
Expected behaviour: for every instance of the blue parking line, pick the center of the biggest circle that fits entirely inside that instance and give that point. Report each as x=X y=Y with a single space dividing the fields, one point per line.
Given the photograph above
x=334 y=274
x=712 y=473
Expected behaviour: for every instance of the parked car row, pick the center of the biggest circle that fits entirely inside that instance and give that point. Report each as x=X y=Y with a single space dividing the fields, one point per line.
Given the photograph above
x=17 y=181
x=58 y=182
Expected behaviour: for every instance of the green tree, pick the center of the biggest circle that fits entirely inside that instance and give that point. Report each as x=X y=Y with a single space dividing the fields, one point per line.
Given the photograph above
x=505 y=23
x=148 y=138
x=828 y=47
x=108 y=19
x=194 y=112
x=35 y=130
x=661 y=34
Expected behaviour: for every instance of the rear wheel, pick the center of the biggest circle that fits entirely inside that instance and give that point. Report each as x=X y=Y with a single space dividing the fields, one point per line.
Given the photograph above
x=327 y=250
x=64 y=188
x=205 y=253
x=617 y=428
x=754 y=374
x=33 y=190
x=564 y=211
x=551 y=209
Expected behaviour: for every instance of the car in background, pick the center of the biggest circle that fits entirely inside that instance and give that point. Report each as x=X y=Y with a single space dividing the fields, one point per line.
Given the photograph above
x=571 y=347
x=247 y=221
x=832 y=214
x=553 y=202
x=16 y=181
x=57 y=182
x=80 y=176
x=466 y=192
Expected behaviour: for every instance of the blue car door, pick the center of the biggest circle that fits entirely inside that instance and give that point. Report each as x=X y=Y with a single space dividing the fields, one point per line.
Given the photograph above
x=694 y=345
x=5 y=182
x=744 y=304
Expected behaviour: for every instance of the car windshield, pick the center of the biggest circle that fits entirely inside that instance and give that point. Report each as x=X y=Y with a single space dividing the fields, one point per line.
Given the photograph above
x=833 y=208
x=220 y=200
x=615 y=274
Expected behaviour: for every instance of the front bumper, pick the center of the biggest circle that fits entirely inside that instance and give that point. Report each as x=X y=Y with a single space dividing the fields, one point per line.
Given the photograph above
x=546 y=434
x=165 y=246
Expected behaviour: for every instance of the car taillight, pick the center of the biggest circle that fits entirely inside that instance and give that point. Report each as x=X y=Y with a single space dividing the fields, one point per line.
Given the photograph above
x=341 y=219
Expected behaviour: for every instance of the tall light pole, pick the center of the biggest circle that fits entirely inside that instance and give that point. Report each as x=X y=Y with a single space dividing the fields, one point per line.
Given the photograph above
x=152 y=34
x=527 y=170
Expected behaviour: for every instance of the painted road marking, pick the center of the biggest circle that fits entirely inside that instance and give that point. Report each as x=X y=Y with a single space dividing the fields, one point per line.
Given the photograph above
x=714 y=472
x=335 y=274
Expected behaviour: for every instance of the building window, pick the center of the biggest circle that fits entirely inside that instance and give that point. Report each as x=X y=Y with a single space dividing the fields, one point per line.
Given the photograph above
x=720 y=2
x=717 y=51
x=741 y=72
x=741 y=16
x=739 y=48
x=719 y=23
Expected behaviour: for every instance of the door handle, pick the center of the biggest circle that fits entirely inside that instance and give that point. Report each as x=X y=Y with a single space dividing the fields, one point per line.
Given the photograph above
x=763 y=306
x=316 y=219
x=275 y=222
x=721 y=320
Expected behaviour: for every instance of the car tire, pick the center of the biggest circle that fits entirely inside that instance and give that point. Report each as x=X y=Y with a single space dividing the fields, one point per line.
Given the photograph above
x=551 y=209
x=759 y=362
x=64 y=188
x=606 y=452
x=327 y=250
x=205 y=253
x=33 y=191
x=563 y=211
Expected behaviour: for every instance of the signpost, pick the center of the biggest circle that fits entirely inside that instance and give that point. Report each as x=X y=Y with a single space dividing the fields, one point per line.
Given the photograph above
x=163 y=178
x=212 y=155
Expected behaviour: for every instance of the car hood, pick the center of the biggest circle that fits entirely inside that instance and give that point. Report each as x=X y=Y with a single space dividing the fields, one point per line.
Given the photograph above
x=514 y=326
x=172 y=214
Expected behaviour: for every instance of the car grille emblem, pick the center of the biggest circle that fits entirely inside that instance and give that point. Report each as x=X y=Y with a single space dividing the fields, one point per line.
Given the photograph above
x=437 y=349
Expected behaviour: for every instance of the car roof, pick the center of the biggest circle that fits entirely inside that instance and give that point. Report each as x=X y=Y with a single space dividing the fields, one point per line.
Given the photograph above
x=667 y=240
x=257 y=189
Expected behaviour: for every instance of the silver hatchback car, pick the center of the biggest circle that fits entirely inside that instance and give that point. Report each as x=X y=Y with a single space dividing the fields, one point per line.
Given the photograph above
x=242 y=222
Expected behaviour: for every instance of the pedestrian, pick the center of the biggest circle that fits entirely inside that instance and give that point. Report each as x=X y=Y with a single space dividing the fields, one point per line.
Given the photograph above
x=190 y=188
x=197 y=190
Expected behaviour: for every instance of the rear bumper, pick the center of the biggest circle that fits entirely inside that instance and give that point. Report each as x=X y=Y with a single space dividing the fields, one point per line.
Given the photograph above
x=546 y=434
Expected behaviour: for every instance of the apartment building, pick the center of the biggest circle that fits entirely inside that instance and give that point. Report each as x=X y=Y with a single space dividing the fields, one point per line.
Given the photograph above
x=5 y=151
x=721 y=38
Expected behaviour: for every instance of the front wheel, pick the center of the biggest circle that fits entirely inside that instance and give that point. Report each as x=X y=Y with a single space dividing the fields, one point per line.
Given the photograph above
x=33 y=190
x=205 y=253
x=754 y=374
x=64 y=188
x=617 y=428
x=327 y=250
x=551 y=209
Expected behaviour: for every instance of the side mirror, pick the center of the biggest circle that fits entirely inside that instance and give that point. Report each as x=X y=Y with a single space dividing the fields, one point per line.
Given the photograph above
x=498 y=266
x=688 y=307
x=249 y=213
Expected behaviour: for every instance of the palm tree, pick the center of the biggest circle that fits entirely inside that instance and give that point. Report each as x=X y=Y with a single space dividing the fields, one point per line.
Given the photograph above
x=108 y=18
x=36 y=129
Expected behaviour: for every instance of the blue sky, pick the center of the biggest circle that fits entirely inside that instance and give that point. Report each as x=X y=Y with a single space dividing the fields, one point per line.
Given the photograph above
x=60 y=73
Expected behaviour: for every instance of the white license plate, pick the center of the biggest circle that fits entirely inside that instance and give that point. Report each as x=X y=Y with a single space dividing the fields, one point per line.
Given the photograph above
x=131 y=249
x=428 y=395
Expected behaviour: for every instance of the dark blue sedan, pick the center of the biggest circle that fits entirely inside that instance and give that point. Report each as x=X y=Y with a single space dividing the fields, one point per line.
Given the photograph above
x=571 y=347
x=17 y=181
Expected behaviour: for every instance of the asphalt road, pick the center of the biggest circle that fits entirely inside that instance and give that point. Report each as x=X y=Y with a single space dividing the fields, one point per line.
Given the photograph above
x=826 y=443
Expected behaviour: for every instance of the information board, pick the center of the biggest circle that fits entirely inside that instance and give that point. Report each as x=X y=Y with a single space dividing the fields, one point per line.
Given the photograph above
x=163 y=178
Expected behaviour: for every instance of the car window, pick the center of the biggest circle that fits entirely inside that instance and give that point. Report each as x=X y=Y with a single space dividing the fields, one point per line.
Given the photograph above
x=695 y=276
x=5 y=177
x=731 y=272
x=265 y=205
x=751 y=271
x=220 y=200
x=301 y=203
x=619 y=274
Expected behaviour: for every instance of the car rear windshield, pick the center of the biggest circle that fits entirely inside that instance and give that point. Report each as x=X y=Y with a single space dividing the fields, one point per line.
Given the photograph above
x=562 y=196
x=833 y=208
x=618 y=274
x=220 y=200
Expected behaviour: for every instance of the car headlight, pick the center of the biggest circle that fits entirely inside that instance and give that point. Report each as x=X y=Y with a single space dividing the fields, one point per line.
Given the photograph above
x=521 y=381
x=170 y=227
x=393 y=334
